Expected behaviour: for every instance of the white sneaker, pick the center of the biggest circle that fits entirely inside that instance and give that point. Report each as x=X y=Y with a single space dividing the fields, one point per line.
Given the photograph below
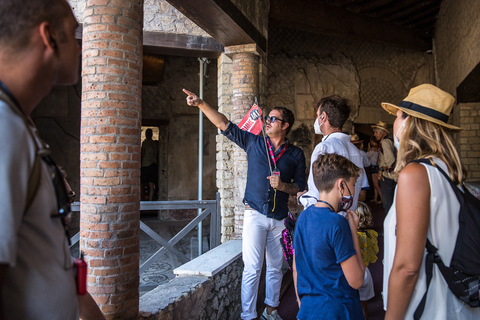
x=272 y=316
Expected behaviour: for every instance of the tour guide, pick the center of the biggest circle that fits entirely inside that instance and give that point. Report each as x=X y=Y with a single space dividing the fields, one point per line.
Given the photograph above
x=266 y=199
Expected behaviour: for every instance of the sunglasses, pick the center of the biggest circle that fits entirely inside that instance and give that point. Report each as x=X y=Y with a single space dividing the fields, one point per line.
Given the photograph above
x=273 y=119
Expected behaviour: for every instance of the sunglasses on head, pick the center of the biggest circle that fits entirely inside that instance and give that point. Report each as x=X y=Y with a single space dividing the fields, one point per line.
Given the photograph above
x=273 y=119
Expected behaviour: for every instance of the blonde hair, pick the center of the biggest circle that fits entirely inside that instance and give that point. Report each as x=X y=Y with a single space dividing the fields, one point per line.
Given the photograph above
x=365 y=217
x=425 y=139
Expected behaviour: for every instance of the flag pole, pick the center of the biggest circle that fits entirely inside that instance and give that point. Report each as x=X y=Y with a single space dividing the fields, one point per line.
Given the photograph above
x=265 y=139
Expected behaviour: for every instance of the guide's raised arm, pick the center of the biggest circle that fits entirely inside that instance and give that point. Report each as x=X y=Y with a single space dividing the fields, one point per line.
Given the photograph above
x=218 y=119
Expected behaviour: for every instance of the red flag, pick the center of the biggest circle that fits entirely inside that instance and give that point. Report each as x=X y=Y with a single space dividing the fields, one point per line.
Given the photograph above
x=252 y=122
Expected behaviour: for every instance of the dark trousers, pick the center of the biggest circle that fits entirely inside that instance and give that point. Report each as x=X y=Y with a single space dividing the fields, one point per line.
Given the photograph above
x=388 y=191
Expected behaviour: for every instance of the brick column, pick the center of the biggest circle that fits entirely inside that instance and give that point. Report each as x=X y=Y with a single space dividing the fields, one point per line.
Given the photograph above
x=245 y=87
x=110 y=153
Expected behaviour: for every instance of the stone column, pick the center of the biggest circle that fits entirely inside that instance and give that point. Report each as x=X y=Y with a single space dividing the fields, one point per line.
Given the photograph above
x=110 y=153
x=245 y=87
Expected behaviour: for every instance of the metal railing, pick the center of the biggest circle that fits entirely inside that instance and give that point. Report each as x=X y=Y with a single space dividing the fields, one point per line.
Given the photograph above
x=210 y=207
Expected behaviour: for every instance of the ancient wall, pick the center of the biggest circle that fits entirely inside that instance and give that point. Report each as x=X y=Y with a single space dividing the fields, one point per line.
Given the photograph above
x=457 y=52
x=166 y=101
x=57 y=118
x=158 y=16
x=257 y=13
x=302 y=68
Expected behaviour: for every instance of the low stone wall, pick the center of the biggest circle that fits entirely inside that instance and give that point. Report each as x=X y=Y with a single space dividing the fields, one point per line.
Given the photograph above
x=207 y=287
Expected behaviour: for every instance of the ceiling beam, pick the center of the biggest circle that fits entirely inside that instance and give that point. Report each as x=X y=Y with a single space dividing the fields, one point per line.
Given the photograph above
x=181 y=45
x=222 y=20
x=469 y=90
x=175 y=44
x=314 y=16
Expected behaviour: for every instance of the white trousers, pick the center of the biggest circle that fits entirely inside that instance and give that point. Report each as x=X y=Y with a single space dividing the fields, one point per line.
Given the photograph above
x=259 y=234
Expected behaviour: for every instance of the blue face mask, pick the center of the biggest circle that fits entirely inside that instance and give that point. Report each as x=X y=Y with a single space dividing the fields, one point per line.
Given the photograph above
x=395 y=138
x=346 y=202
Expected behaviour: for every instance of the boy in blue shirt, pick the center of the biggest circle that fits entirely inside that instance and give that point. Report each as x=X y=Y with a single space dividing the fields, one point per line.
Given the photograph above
x=328 y=266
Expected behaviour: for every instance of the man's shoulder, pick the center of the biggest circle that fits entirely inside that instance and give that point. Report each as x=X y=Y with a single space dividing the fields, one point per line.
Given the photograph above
x=11 y=125
x=295 y=150
x=386 y=142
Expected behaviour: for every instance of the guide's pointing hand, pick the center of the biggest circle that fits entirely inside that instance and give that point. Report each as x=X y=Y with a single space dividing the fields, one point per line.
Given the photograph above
x=192 y=98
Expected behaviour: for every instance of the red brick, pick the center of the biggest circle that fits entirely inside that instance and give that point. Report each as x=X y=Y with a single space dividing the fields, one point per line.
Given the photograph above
x=102 y=139
x=109 y=10
x=107 y=182
x=96 y=226
x=94 y=3
x=100 y=235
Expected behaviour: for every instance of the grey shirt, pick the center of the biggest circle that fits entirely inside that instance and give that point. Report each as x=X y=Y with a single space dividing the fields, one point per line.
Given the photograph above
x=39 y=282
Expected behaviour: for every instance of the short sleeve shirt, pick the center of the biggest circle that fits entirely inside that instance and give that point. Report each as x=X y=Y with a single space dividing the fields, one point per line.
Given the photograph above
x=39 y=281
x=338 y=143
x=323 y=240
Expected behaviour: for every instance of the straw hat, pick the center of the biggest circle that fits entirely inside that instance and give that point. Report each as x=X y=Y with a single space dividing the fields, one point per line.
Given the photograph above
x=355 y=139
x=426 y=102
x=382 y=126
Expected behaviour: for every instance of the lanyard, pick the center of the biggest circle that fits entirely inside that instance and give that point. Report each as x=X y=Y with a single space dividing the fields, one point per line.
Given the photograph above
x=270 y=149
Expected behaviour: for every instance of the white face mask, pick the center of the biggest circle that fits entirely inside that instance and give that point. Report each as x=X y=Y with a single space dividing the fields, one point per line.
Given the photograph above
x=317 y=126
x=395 y=138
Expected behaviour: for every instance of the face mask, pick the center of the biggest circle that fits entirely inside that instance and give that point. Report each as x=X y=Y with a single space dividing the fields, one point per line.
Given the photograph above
x=346 y=202
x=317 y=126
x=395 y=138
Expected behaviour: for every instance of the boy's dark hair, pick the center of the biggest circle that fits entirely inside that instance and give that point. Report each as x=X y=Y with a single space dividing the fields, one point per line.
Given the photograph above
x=330 y=167
x=287 y=116
x=336 y=108
x=19 y=18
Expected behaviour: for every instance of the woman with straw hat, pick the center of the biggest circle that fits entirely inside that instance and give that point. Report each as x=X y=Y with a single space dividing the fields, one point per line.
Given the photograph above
x=424 y=206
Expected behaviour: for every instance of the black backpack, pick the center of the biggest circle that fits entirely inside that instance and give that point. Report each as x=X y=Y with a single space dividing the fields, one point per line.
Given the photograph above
x=463 y=275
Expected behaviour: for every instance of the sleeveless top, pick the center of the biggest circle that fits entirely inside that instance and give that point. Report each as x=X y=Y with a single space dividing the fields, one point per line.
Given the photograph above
x=441 y=304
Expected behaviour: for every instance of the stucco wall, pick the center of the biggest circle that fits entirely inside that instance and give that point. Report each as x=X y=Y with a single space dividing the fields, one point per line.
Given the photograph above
x=457 y=52
x=166 y=101
x=302 y=68
x=257 y=13
x=456 y=42
x=158 y=15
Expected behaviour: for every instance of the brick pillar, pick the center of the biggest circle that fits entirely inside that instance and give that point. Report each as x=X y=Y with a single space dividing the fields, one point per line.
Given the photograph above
x=245 y=87
x=110 y=153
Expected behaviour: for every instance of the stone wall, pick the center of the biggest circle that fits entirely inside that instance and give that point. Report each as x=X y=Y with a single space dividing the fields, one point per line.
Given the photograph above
x=257 y=13
x=158 y=16
x=457 y=52
x=303 y=67
x=468 y=118
x=456 y=42
x=225 y=162
x=207 y=287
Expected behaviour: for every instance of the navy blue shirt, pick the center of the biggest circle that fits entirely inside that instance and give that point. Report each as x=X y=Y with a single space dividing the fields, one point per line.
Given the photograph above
x=323 y=240
x=258 y=193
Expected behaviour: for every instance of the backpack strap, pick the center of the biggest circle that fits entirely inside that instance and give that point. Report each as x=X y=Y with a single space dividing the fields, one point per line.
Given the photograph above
x=429 y=261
